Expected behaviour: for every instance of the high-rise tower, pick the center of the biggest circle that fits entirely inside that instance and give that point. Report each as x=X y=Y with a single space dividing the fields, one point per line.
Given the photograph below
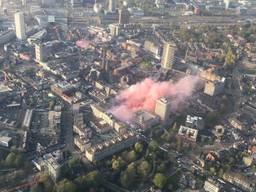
x=20 y=26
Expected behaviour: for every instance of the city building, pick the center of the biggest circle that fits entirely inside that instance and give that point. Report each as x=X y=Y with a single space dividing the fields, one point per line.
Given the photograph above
x=152 y=47
x=124 y=16
x=108 y=148
x=214 y=88
x=111 y=5
x=40 y=53
x=7 y=36
x=114 y=29
x=168 y=56
x=194 y=122
x=163 y=108
x=211 y=186
x=108 y=118
x=160 y=3
x=146 y=120
x=75 y=3
x=227 y=3
x=188 y=133
x=50 y=162
x=54 y=118
x=5 y=141
x=27 y=119
x=236 y=123
x=20 y=26
x=241 y=181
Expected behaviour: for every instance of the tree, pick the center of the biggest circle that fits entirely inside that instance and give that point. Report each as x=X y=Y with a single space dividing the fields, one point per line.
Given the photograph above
x=43 y=182
x=125 y=180
x=229 y=59
x=144 y=168
x=115 y=165
x=146 y=65
x=18 y=162
x=66 y=186
x=128 y=176
x=93 y=178
x=131 y=156
x=138 y=147
x=152 y=146
x=161 y=168
x=212 y=171
x=159 y=180
x=9 y=160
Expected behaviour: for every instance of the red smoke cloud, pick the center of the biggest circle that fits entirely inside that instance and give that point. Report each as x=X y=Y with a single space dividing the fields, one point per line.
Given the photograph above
x=143 y=95
x=82 y=44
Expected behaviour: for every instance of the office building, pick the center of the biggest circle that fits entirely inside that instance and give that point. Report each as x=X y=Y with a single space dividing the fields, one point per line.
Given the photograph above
x=114 y=30
x=5 y=141
x=194 y=122
x=39 y=52
x=168 y=57
x=123 y=16
x=108 y=148
x=227 y=3
x=213 y=88
x=146 y=119
x=75 y=3
x=188 y=133
x=152 y=47
x=27 y=119
x=211 y=186
x=163 y=108
x=108 y=118
x=20 y=26
x=50 y=162
x=111 y=5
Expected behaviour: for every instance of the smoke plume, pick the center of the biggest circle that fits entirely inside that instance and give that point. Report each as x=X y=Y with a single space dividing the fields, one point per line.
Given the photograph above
x=84 y=44
x=143 y=95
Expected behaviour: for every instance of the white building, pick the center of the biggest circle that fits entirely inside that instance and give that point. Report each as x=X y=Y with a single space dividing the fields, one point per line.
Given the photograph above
x=168 y=57
x=20 y=26
x=5 y=141
x=194 y=122
x=188 y=133
x=210 y=186
x=163 y=108
x=111 y=5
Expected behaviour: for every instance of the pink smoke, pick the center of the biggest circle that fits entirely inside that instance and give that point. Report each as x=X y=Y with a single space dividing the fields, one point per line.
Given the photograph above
x=82 y=44
x=143 y=95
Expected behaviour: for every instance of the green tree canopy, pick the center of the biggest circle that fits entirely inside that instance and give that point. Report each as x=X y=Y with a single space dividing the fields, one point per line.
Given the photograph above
x=138 y=147
x=9 y=160
x=131 y=156
x=116 y=165
x=229 y=59
x=66 y=186
x=144 y=168
x=128 y=176
x=152 y=146
x=159 y=180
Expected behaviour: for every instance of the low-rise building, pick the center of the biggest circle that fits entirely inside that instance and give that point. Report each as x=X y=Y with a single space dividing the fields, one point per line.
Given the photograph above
x=213 y=88
x=194 y=122
x=99 y=112
x=146 y=120
x=188 y=133
x=51 y=162
x=5 y=141
x=108 y=148
x=211 y=186
x=236 y=123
